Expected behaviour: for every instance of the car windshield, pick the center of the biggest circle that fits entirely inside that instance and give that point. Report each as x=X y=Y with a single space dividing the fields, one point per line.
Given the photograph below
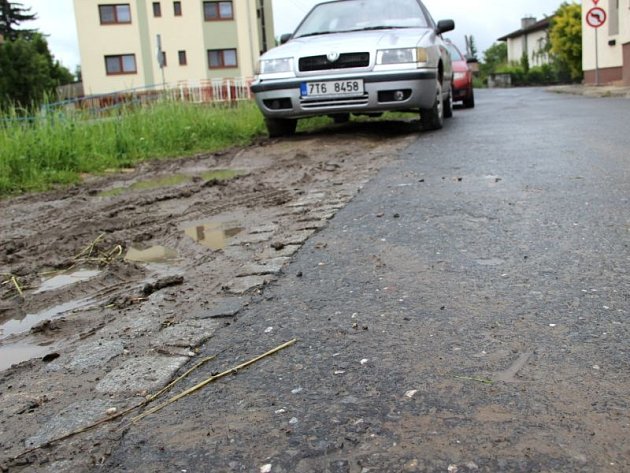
x=361 y=15
x=455 y=54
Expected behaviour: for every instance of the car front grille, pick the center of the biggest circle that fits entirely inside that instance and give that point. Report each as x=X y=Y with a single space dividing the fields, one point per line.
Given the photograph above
x=345 y=61
x=330 y=102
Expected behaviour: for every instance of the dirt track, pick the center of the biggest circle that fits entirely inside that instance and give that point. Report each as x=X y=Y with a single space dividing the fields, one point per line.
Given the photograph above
x=146 y=265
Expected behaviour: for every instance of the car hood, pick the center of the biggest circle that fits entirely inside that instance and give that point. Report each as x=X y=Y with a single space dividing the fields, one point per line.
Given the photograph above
x=349 y=42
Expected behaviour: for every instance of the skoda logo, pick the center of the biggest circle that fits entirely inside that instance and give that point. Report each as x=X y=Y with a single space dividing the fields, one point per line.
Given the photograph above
x=332 y=57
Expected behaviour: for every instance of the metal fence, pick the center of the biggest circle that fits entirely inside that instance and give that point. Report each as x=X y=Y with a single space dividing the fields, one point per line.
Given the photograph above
x=210 y=91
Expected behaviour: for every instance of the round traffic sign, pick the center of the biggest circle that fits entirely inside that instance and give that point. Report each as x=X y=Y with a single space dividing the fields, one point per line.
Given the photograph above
x=596 y=17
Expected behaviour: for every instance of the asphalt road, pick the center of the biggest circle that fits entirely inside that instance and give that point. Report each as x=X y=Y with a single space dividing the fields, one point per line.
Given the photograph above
x=468 y=311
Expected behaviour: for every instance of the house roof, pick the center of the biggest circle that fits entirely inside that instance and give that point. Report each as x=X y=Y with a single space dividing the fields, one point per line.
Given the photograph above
x=539 y=25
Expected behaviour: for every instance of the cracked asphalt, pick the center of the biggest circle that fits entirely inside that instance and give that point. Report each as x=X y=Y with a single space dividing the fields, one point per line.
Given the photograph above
x=467 y=311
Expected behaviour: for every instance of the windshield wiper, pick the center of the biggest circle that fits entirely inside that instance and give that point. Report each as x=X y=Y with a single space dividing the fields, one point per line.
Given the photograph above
x=383 y=27
x=367 y=28
x=316 y=33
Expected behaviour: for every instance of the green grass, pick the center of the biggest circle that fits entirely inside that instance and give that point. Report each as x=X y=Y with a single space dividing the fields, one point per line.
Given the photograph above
x=39 y=154
x=58 y=148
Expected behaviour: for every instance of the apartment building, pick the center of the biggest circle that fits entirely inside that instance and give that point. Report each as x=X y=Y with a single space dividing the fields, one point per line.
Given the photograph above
x=611 y=50
x=143 y=43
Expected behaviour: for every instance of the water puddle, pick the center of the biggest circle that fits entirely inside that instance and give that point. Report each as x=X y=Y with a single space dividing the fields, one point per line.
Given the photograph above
x=174 y=180
x=19 y=352
x=222 y=174
x=15 y=326
x=155 y=254
x=66 y=279
x=214 y=235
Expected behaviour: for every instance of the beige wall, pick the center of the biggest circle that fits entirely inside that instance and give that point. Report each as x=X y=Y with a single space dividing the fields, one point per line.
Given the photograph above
x=189 y=32
x=610 y=41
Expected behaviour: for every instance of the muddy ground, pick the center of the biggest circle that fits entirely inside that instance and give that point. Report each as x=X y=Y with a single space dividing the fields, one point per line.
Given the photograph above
x=111 y=286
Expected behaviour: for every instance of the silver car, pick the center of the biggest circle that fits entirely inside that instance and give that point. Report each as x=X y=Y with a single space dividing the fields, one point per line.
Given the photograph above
x=357 y=57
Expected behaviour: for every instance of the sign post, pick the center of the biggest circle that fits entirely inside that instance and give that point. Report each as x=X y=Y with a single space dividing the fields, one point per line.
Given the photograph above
x=160 y=58
x=596 y=17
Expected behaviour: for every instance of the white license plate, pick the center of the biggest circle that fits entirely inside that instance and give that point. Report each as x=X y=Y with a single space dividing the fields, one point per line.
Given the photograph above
x=332 y=88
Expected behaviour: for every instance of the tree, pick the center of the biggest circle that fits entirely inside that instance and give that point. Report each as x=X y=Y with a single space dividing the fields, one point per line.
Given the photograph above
x=11 y=15
x=28 y=71
x=471 y=46
x=566 y=38
x=525 y=62
x=495 y=56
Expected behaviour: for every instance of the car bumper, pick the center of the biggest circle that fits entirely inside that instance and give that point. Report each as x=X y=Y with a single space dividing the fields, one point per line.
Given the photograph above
x=461 y=94
x=283 y=99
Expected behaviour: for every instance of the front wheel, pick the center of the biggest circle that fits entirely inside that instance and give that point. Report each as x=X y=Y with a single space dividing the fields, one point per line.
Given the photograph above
x=433 y=118
x=448 y=105
x=277 y=127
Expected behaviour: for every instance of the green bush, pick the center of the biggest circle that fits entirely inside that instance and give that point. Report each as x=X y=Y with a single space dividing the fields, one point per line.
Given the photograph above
x=542 y=75
x=537 y=75
x=516 y=72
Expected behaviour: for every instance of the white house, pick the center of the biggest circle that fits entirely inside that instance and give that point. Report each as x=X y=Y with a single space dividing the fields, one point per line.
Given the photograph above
x=532 y=38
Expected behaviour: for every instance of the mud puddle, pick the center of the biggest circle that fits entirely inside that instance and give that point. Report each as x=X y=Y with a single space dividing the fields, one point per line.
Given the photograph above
x=20 y=325
x=174 y=180
x=66 y=279
x=15 y=353
x=214 y=235
x=153 y=254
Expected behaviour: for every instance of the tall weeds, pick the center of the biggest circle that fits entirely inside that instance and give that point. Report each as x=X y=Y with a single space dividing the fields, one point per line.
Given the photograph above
x=45 y=150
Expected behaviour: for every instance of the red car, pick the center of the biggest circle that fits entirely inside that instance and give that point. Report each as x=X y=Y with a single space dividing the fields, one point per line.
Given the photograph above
x=462 y=77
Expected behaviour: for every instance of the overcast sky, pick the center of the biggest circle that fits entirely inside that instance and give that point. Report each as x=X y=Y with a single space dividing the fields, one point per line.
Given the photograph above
x=486 y=20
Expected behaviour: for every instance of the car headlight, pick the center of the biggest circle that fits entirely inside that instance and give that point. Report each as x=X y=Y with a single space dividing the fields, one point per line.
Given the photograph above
x=401 y=56
x=275 y=66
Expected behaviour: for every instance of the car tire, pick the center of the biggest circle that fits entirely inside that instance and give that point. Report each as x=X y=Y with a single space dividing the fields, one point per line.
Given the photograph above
x=277 y=127
x=433 y=118
x=448 y=105
x=469 y=102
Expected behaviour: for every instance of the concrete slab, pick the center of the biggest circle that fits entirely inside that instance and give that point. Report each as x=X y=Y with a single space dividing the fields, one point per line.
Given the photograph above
x=148 y=373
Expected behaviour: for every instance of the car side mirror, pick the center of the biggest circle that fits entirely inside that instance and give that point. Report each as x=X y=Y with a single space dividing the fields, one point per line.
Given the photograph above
x=285 y=37
x=472 y=60
x=445 y=25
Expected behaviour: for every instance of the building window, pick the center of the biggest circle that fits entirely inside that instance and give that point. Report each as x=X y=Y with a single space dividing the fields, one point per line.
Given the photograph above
x=222 y=58
x=177 y=8
x=163 y=62
x=613 y=14
x=183 y=61
x=114 y=14
x=214 y=11
x=121 y=64
x=157 y=9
